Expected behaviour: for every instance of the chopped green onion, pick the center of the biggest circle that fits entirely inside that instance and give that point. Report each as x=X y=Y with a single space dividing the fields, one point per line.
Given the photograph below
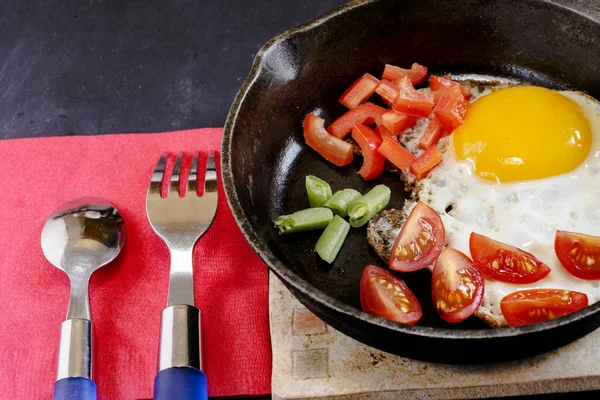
x=305 y=220
x=329 y=244
x=364 y=208
x=340 y=201
x=318 y=191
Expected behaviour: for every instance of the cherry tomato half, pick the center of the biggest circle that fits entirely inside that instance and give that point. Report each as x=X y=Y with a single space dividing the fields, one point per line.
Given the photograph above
x=579 y=254
x=420 y=241
x=457 y=286
x=536 y=305
x=384 y=295
x=505 y=263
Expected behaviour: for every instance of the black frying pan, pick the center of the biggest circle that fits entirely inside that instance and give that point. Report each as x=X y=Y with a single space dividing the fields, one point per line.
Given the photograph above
x=264 y=160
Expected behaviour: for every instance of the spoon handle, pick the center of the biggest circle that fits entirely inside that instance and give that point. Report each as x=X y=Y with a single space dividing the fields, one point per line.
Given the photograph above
x=180 y=359
x=73 y=379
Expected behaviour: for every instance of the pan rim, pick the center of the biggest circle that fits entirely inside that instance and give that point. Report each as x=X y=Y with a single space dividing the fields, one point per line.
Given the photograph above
x=301 y=285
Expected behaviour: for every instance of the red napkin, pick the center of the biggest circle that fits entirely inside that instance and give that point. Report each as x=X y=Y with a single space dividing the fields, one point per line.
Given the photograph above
x=127 y=296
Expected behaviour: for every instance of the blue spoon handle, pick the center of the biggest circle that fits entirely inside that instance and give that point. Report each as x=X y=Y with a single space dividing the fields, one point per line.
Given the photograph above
x=73 y=381
x=181 y=383
x=75 y=388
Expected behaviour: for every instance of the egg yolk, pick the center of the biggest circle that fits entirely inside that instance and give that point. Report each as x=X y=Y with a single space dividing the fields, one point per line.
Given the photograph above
x=523 y=133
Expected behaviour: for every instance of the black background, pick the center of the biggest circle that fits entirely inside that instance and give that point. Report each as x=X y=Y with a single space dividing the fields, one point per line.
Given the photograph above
x=90 y=66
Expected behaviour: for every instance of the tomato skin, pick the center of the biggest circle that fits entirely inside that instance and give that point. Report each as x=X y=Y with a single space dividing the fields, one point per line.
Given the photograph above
x=426 y=162
x=387 y=90
x=397 y=123
x=455 y=304
x=436 y=83
x=334 y=150
x=396 y=303
x=537 y=305
x=420 y=240
x=453 y=91
x=451 y=111
x=359 y=91
x=412 y=102
x=364 y=114
x=396 y=153
x=505 y=263
x=416 y=74
x=432 y=134
x=369 y=142
x=578 y=253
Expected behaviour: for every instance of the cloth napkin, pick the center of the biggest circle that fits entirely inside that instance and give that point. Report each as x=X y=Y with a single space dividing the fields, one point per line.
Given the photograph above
x=127 y=296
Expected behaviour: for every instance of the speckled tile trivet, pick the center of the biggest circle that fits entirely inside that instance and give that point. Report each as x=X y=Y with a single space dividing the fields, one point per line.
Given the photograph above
x=313 y=360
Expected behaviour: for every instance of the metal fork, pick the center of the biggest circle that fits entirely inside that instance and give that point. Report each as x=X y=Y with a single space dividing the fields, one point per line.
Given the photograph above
x=180 y=222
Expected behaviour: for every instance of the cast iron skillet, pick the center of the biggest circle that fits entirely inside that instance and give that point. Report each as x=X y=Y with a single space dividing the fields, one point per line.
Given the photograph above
x=264 y=160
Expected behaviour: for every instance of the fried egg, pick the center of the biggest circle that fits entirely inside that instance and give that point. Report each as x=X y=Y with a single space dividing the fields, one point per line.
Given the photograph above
x=525 y=163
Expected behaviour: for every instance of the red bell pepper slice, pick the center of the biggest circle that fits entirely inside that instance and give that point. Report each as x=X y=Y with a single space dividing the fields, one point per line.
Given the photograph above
x=369 y=142
x=396 y=153
x=437 y=83
x=416 y=73
x=451 y=111
x=387 y=90
x=432 y=134
x=426 y=162
x=359 y=91
x=365 y=113
x=397 y=123
x=331 y=148
x=450 y=90
x=412 y=102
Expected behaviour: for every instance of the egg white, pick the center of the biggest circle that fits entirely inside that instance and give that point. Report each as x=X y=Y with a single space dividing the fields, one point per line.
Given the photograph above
x=524 y=214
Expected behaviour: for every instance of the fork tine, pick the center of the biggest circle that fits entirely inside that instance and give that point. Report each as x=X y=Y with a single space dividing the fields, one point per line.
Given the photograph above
x=158 y=174
x=174 y=185
x=192 y=184
x=210 y=179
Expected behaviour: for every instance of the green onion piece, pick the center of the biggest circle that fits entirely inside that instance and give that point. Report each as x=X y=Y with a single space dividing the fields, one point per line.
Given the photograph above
x=329 y=244
x=340 y=201
x=364 y=208
x=318 y=191
x=305 y=220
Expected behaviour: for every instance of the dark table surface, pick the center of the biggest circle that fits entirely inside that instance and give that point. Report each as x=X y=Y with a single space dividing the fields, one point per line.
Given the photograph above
x=88 y=66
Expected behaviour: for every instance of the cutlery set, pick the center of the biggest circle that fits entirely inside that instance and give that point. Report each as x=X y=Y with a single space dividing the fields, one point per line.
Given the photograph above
x=88 y=233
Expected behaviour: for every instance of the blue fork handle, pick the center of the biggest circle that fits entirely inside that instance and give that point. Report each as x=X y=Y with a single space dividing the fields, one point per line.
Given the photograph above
x=180 y=373
x=74 y=388
x=180 y=383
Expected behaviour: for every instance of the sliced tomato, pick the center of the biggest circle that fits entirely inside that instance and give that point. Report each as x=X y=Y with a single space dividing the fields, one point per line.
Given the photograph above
x=536 y=305
x=452 y=91
x=432 y=134
x=386 y=296
x=369 y=142
x=331 y=148
x=451 y=111
x=420 y=240
x=397 y=123
x=396 y=153
x=579 y=254
x=505 y=263
x=415 y=74
x=427 y=161
x=411 y=101
x=457 y=286
x=387 y=90
x=364 y=114
x=359 y=91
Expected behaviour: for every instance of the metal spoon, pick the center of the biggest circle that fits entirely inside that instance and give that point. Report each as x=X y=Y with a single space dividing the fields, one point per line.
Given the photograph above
x=80 y=237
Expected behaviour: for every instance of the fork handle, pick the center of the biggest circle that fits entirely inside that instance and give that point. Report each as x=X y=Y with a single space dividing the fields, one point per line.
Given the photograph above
x=180 y=359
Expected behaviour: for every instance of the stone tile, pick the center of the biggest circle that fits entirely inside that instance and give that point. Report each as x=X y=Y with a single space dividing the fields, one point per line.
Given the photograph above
x=310 y=364
x=306 y=323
